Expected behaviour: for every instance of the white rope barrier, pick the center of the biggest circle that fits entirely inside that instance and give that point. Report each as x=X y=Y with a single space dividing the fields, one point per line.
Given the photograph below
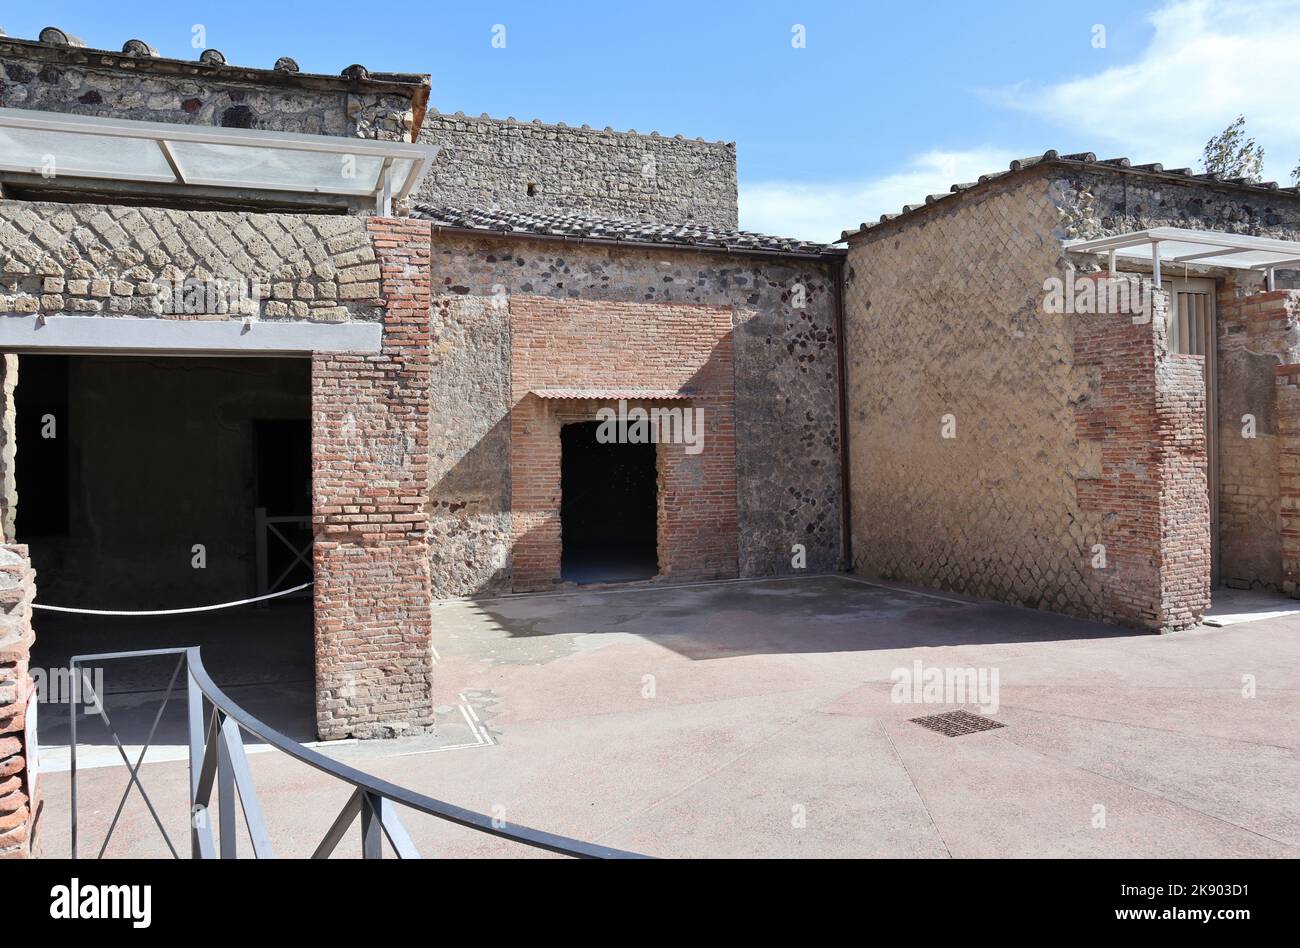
x=171 y=612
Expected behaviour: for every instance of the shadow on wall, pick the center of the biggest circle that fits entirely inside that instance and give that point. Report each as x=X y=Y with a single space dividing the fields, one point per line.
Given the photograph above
x=469 y=518
x=479 y=523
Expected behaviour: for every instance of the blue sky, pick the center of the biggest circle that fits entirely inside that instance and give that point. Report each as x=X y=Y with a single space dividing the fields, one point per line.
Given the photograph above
x=886 y=102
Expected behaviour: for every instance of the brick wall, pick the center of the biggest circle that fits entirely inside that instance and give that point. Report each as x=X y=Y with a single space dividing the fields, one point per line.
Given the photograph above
x=370 y=414
x=587 y=344
x=1185 y=544
x=1287 y=387
x=19 y=800
x=786 y=391
x=1257 y=331
x=370 y=453
x=1147 y=415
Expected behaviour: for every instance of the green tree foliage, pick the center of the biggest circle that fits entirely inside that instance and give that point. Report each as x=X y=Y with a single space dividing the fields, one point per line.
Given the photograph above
x=1233 y=155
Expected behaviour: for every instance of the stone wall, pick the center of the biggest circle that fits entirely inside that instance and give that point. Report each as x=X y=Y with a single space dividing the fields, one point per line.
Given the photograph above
x=1096 y=203
x=88 y=258
x=92 y=82
x=19 y=787
x=528 y=166
x=370 y=496
x=572 y=344
x=945 y=324
x=1287 y=385
x=1256 y=332
x=8 y=445
x=786 y=409
x=970 y=469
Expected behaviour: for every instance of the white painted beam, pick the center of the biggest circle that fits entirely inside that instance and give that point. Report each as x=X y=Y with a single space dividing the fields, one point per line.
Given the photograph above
x=234 y=337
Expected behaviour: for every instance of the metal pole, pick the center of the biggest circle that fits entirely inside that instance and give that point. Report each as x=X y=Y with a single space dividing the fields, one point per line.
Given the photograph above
x=1110 y=260
x=1272 y=280
x=372 y=843
x=1155 y=262
x=194 y=711
x=225 y=793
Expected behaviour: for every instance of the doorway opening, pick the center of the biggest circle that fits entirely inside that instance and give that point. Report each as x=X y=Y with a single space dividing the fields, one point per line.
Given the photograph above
x=608 y=508
x=139 y=479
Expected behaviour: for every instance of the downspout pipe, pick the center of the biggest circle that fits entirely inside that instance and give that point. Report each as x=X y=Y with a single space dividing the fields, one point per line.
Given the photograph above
x=846 y=508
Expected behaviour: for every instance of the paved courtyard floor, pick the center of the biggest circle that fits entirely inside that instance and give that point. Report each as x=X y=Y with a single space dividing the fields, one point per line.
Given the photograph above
x=758 y=719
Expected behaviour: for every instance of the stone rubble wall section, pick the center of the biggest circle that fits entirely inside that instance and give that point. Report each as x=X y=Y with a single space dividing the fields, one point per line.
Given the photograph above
x=8 y=446
x=99 y=86
x=786 y=392
x=1257 y=332
x=19 y=802
x=86 y=259
x=945 y=323
x=493 y=163
x=1072 y=433
x=1096 y=203
x=1287 y=385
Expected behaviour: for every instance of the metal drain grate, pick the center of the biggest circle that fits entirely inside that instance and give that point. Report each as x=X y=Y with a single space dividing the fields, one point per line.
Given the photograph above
x=957 y=723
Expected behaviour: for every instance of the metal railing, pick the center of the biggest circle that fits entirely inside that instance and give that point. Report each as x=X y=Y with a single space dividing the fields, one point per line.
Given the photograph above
x=267 y=527
x=218 y=764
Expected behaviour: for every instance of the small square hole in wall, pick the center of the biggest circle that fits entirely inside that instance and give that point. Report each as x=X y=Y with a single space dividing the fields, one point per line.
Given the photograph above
x=532 y=189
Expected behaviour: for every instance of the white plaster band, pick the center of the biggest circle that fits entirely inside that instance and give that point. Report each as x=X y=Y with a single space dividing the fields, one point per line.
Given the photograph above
x=234 y=336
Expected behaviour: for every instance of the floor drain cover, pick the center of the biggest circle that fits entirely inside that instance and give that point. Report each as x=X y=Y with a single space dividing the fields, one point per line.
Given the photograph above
x=957 y=723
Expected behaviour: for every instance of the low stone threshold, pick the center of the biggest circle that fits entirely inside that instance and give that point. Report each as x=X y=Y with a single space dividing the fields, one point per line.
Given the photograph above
x=1234 y=606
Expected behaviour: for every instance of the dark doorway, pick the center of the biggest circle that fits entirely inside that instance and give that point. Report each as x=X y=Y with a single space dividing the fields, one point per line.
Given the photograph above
x=608 y=508
x=282 y=452
x=42 y=429
x=139 y=480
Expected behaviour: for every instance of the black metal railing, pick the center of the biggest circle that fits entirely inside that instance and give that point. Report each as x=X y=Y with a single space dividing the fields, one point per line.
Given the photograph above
x=218 y=764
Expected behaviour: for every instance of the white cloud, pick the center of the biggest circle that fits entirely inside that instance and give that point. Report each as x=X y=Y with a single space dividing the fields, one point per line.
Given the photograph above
x=1208 y=61
x=822 y=211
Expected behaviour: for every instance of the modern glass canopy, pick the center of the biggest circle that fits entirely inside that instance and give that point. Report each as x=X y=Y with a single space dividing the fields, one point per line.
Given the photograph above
x=52 y=144
x=1205 y=248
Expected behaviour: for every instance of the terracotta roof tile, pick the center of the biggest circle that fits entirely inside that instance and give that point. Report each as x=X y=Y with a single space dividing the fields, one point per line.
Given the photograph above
x=1085 y=158
x=688 y=234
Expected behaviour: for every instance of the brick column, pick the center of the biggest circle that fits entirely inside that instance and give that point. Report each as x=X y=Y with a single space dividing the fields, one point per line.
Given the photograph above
x=370 y=456
x=19 y=795
x=1148 y=414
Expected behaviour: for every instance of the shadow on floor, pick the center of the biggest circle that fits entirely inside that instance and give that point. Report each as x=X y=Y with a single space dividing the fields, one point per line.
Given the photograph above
x=778 y=616
x=263 y=658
